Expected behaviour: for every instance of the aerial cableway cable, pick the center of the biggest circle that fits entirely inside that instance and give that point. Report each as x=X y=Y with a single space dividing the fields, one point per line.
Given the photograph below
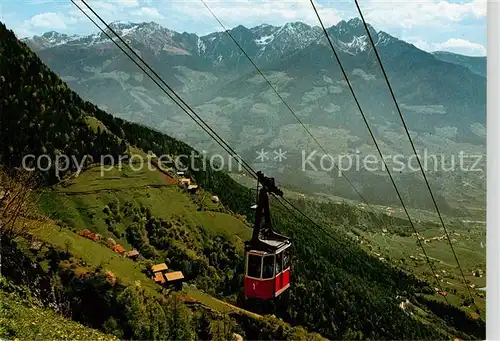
x=282 y=99
x=247 y=167
x=223 y=144
x=412 y=146
x=228 y=32
x=207 y=128
x=376 y=146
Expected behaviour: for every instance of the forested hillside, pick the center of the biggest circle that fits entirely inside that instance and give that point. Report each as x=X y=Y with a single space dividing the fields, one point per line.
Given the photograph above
x=338 y=290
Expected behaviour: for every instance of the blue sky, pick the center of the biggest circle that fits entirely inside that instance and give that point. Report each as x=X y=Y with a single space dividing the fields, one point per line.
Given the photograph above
x=452 y=25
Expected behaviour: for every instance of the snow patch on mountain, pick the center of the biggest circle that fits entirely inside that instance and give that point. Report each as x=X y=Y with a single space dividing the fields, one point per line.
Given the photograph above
x=384 y=39
x=127 y=31
x=358 y=43
x=55 y=38
x=264 y=40
x=201 y=46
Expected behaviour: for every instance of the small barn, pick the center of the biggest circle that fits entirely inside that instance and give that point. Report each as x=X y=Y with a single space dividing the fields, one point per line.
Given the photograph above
x=158 y=278
x=90 y=235
x=118 y=248
x=134 y=254
x=193 y=189
x=175 y=278
x=158 y=271
x=185 y=182
x=474 y=316
x=162 y=267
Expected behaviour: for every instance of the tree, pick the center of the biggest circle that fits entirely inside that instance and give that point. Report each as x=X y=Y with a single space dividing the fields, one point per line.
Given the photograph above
x=158 y=327
x=135 y=318
x=19 y=215
x=178 y=319
x=203 y=326
x=221 y=329
x=111 y=326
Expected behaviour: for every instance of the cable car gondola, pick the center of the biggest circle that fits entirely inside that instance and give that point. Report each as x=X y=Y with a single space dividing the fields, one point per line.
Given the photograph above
x=267 y=254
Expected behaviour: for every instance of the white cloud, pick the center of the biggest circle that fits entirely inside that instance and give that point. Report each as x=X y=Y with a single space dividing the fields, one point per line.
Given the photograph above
x=101 y=7
x=109 y=11
x=456 y=45
x=48 y=20
x=129 y=3
x=42 y=2
x=147 y=13
x=427 y=13
x=474 y=48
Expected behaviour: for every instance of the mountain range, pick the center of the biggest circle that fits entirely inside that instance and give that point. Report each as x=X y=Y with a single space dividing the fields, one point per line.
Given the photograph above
x=442 y=97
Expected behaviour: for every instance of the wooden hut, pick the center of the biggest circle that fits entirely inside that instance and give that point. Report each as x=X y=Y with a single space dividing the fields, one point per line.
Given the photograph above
x=134 y=254
x=118 y=248
x=162 y=267
x=175 y=278
x=193 y=189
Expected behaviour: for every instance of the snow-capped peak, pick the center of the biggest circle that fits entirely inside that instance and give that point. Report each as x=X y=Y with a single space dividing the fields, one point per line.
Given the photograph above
x=384 y=38
x=57 y=38
x=121 y=24
x=262 y=26
x=49 y=39
x=355 y=22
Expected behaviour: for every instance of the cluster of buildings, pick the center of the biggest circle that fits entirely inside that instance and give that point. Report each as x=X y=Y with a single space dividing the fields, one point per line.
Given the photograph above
x=164 y=277
x=183 y=181
x=187 y=184
x=133 y=254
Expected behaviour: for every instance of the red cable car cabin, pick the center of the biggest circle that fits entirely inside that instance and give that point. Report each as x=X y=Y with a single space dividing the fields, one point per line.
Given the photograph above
x=267 y=274
x=267 y=254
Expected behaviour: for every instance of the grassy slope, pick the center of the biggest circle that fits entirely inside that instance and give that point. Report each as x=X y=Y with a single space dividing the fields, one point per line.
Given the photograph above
x=95 y=254
x=23 y=320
